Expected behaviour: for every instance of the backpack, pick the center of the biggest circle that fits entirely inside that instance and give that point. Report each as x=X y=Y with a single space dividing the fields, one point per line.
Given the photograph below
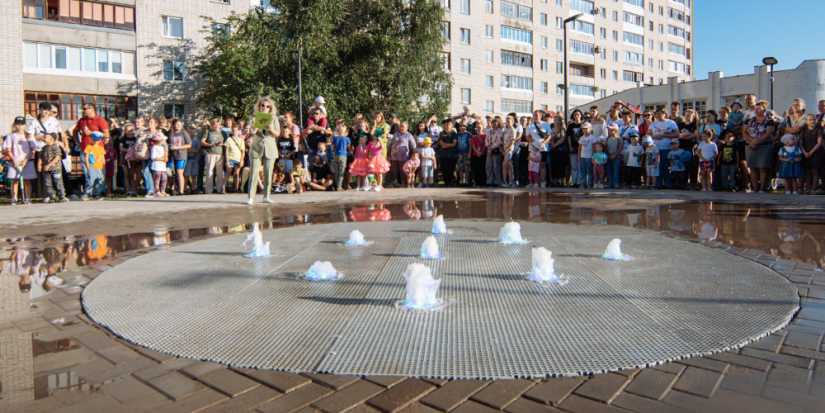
x=140 y=149
x=130 y=154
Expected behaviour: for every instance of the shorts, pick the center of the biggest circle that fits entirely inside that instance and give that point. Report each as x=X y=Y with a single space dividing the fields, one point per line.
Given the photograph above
x=176 y=165
x=463 y=163
x=191 y=168
x=508 y=156
x=652 y=170
x=545 y=157
x=707 y=166
x=234 y=163
x=427 y=171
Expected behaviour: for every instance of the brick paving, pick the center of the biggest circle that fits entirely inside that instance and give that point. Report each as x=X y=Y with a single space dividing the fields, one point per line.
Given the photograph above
x=784 y=372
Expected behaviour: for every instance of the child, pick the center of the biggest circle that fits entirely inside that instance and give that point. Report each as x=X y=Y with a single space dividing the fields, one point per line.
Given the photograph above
x=677 y=166
x=190 y=171
x=297 y=178
x=651 y=162
x=235 y=150
x=110 y=154
x=158 y=156
x=585 y=154
x=613 y=148
x=49 y=162
x=599 y=159
x=378 y=165
x=322 y=152
x=360 y=166
x=534 y=164
x=463 y=162
x=428 y=162
x=20 y=151
x=341 y=148
x=635 y=152
x=728 y=160
x=736 y=118
x=707 y=159
x=94 y=157
x=278 y=178
x=791 y=169
x=813 y=155
x=410 y=167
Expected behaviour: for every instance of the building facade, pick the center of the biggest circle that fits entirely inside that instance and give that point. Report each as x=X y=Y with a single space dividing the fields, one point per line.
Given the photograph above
x=806 y=82
x=508 y=55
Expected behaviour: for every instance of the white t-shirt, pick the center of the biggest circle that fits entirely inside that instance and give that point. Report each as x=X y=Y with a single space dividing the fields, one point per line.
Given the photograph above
x=158 y=152
x=532 y=130
x=708 y=150
x=586 y=145
x=51 y=125
x=20 y=146
x=508 y=136
x=634 y=155
x=663 y=128
x=599 y=129
x=434 y=131
x=427 y=152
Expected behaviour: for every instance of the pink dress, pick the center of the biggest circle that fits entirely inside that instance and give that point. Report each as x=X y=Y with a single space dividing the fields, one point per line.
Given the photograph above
x=361 y=165
x=412 y=163
x=378 y=164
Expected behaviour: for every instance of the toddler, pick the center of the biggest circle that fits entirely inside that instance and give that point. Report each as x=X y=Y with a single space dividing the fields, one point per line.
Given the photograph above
x=790 y=170
x=410 y=167
x=728 y=159
x=736 y=118
x=599 y=159
x=677 y=165
x=95 y=158
x=534 y=165
x=158 y=156
x=635 y=152
x=708 y=152
x=378 y=164
x=50 y=163
x=360 y=166
x=651 y=162
x=110 y=154
x=428 y=162
x=585 y=154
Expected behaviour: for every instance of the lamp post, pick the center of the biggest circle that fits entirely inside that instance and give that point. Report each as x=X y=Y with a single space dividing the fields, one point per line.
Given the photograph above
x=770 y=61
x=566 y=66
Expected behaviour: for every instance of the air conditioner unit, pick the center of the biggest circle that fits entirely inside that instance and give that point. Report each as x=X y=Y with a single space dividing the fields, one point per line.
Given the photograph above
x=596 y=10
x=597 y=50
x=596 y=88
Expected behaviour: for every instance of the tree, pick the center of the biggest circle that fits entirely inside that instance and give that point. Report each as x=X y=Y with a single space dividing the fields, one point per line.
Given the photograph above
x=361 y=55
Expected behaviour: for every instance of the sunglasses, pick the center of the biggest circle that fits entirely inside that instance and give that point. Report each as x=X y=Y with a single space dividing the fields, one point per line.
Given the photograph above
x=265 y=106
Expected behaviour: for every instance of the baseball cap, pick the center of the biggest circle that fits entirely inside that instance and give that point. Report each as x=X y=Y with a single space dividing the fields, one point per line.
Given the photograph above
x=647 y=140
x=466 y=108
x=20 y=120
x=320 y=99
x=97 y=135
x=45 y=106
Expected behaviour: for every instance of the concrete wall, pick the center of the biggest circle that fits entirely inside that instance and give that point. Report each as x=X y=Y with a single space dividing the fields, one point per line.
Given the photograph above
x=11 y=48
x=79 y=85
x=806 y=82
x=75 y=35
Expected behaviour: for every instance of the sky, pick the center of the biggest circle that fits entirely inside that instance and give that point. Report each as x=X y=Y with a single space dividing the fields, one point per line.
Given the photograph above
x=733 y=36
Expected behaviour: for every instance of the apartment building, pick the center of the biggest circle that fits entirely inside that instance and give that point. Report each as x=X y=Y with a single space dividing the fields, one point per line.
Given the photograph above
x=128 y=57
x=508 y=55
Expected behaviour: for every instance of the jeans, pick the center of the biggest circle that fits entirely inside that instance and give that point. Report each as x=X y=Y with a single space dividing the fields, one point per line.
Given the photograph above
x=664 y=176
x=96 y=179
x=148 y=177
x=515 y=162
x=679 y=179
x=52 y=181
x=340 y=165
x=728 y=174
x=478 y=164
x=586 y=172
x=494 y=169
x=575 y=178
x=612 y=168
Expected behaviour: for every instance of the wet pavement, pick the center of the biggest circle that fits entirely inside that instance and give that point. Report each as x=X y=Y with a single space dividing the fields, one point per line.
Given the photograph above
x=52 y=357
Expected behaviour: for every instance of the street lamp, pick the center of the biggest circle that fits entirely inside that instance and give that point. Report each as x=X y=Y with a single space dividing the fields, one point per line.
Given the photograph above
x=300 y=89
x=770 y=61
x=566 y=66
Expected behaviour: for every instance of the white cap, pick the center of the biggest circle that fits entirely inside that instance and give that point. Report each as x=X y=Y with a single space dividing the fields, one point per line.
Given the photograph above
x=320 y=99
x=466 y=108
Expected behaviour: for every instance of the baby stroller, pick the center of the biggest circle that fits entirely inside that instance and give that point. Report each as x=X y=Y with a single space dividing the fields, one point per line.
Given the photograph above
x=4 y=181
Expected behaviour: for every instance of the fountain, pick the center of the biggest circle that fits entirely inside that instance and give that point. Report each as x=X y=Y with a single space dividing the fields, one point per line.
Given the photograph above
x=543 y=271
x=614 y=251
x=429 y=249
x=322 y=271
x=421 y=289
x=357 y=238
x=439 y=227
x=259 y=249
x=511 y=234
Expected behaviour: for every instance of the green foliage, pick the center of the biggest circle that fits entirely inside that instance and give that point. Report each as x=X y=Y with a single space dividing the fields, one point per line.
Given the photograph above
x=361 y=55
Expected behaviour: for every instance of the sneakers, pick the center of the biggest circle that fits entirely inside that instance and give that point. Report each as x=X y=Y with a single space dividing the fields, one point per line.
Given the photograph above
x=421 y=185
x=358 y=189
x=787 y=192
x=46 y=200
x=377 y=189
x=98 y=198
x=543 y=185
x=795 y=193
x=13 y=202
x=64 y=199
x=74 y=198
x=149 y=195
x=372 y=188
x=249 y=201
x=267 y=200
x=84 y=198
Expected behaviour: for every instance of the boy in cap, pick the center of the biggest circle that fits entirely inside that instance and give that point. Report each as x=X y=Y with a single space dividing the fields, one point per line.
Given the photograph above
x=651 y=162
x=94 y=157
x=49 y=163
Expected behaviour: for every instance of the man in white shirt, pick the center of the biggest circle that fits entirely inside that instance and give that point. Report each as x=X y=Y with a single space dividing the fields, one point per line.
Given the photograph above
x=662 y=131
x=543 y=143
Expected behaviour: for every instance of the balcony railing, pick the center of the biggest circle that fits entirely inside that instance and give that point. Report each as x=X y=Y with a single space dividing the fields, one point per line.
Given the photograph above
x=87 y=13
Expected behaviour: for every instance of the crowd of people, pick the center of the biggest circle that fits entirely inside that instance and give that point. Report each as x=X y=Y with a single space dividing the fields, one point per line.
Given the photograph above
x=738 y=148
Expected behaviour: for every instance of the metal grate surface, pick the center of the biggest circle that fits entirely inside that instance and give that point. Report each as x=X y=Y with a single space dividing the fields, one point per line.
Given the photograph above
x=204 y=300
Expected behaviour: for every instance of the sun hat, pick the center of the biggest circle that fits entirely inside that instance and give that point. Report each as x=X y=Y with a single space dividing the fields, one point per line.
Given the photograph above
x=787 y=138
x=647 y=140
x=428 y=140
x=613 y=126
x=320 y=99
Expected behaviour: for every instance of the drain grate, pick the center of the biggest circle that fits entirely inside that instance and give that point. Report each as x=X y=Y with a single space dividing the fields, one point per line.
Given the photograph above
x=204 y=300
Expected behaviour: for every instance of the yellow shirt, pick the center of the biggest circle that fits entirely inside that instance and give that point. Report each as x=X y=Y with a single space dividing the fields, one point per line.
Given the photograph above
x=97 y=155
x=234 y=148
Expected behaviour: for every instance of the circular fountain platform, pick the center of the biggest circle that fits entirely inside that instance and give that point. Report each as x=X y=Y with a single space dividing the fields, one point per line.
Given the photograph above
x=205 y=300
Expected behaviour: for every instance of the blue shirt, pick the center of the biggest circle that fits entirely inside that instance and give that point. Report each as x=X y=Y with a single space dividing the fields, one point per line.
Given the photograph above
x=464 y=143
x=340 y=143
x=676 y=163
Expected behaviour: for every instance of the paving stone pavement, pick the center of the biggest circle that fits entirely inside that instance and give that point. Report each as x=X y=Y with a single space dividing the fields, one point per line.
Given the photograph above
x=784 y=372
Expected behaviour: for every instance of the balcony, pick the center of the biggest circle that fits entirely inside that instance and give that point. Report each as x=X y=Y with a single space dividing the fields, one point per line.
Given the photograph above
x=77 y=12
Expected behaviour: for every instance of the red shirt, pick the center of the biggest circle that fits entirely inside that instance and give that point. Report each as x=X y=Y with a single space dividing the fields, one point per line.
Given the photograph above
x=95 y=124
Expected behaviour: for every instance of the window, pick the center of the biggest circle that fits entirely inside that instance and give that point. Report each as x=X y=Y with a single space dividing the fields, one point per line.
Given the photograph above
x=559 y=90
x=650 y=44
x=116 y=61
x=516 y=82
x=615 y=16
x=517 y=11
x=604 y=53
x=173 y=27
x=676 y=49
x=582 y=27
x=559 y=22
x=172 y=111
x=559 y=109
x=465 y=66
x=650 y=62
x=74 y=59
x=581 y=47
x=102 y=61
x=543 y=88
x=543 y=19
x=516 y=59
x=220 y=30
x=558 y=2
x=650 y=7
x=543 y=42
x=615 y=36
x=465 y=36
x=465 y=96
x=559 y=67
x=603 y=33
x=603 y=73
x=445 y=31
x=661 y=65
x=675 y=66
x=517 y=35
x=583 y=6
x=637 y=3
x=173 y=71
x=700 y=106
x=489 y=106
x=582 y=90
x=633 y=76
x=70 y=106
x=445 y=59
x=634 y=19
x=465 y=6
x=615 y=75
x=634 y=39
x=488 y=31
x=675 y=31
x=615 y=55
x=445 y=4
x=543 y=63
x=650 y=25
x=675 y=14
x=577 y=70
x=543 y=107
x=488 y=6
x=489 y=81
x=634 y=58
x=45 y=57
x=489 y=56
x=604 y=93
x=518 y=106
x=661 y=47
x=560 y=45
x=81 y=12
